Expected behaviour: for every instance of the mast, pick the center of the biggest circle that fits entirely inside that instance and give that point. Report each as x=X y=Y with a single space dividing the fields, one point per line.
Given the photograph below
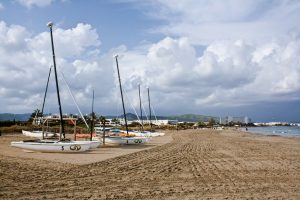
x=124 y=112
x=46 y=91
x=92 y=122
x=142 y=125
x=149 y=108
x=62 y=131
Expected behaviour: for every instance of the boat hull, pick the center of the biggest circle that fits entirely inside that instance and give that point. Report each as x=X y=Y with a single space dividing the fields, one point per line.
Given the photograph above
x=126 y=140
x=53 y=146
x=37 y=134
x=93 y=144
x=148 y=134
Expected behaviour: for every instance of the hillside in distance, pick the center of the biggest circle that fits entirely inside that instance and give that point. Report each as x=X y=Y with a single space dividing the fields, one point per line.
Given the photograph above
x=16 y=117
x=184 y=117
x=129 y=116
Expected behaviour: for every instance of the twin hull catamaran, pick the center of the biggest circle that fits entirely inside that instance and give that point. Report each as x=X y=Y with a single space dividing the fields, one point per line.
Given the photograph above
x=56 y=146
x=116 y=140
x=122 y=138
x=60 y=145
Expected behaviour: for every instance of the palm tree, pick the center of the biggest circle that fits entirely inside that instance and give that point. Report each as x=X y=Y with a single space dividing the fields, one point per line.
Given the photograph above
x=36 y=113
x=115 y=121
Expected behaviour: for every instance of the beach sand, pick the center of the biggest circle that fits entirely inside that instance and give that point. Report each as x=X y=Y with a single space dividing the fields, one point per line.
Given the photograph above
x=194 y=164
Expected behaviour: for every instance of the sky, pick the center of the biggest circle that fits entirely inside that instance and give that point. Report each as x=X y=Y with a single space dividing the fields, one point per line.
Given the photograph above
x=210 y=57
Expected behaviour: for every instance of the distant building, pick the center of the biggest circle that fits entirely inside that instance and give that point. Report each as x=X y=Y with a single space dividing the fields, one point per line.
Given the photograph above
x=155 y=122
x=241 y=120
x=165 y=122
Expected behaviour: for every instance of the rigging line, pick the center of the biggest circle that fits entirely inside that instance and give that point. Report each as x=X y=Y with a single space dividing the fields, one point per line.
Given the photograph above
x=145 y=112
x=143 y=108
x=45 y=95
x=44 y=100
x=154 y=115
x=132 y=106
x=74 y=101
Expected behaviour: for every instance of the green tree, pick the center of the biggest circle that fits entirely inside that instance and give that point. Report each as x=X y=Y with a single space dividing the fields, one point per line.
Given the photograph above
x=93 y=115
x=201 y=124
x=116 y=121
x=36 y=113
x=211 y=122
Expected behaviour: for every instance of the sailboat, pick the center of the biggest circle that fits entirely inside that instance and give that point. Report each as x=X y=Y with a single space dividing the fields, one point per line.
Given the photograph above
x=117 y=139
x=142 y=132
x=63 y=145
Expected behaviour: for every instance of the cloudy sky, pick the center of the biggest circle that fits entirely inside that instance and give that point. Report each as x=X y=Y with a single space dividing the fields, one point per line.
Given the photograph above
x=206 y=57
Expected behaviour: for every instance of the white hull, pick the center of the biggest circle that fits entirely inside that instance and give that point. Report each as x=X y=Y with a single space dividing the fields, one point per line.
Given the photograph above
x=93 y=144
x=37 y=134
x=126 y=140
x=53 y=146
x=148 y=134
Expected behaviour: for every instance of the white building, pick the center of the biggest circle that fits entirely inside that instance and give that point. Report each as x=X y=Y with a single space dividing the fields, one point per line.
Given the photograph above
x=243 y=120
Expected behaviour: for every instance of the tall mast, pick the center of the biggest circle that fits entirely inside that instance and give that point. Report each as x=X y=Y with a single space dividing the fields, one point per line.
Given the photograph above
x=62 y=131
x=141 y=108
x=46 y=91
x=124 y=112
x=149 y=108
x=92 y=122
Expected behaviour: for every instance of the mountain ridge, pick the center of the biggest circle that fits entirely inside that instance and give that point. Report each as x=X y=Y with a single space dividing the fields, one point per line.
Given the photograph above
x=129 y=116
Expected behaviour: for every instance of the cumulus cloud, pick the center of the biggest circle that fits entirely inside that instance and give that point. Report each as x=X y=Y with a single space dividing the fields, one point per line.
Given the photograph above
x=249 y=54
x=25 y=60
x=204 y=22
x=69 y=43
x=229 y=73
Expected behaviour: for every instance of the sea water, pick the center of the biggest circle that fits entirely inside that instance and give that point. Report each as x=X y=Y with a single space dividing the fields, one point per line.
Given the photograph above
x=287 y=131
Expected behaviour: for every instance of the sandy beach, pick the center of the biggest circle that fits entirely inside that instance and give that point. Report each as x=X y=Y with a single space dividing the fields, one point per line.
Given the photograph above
x=189 y=164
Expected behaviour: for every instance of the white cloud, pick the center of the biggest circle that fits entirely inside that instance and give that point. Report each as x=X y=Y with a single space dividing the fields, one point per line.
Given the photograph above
x=25 y=60
x=229 y=73
x=68 y=43
x=37 y=3
x=1 y=6
x=204 y=21
x=249 y=54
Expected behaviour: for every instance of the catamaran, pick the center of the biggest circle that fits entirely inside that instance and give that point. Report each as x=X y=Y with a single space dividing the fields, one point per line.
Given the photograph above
x=53 y=146
x=63 y=145
x=119 y=137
